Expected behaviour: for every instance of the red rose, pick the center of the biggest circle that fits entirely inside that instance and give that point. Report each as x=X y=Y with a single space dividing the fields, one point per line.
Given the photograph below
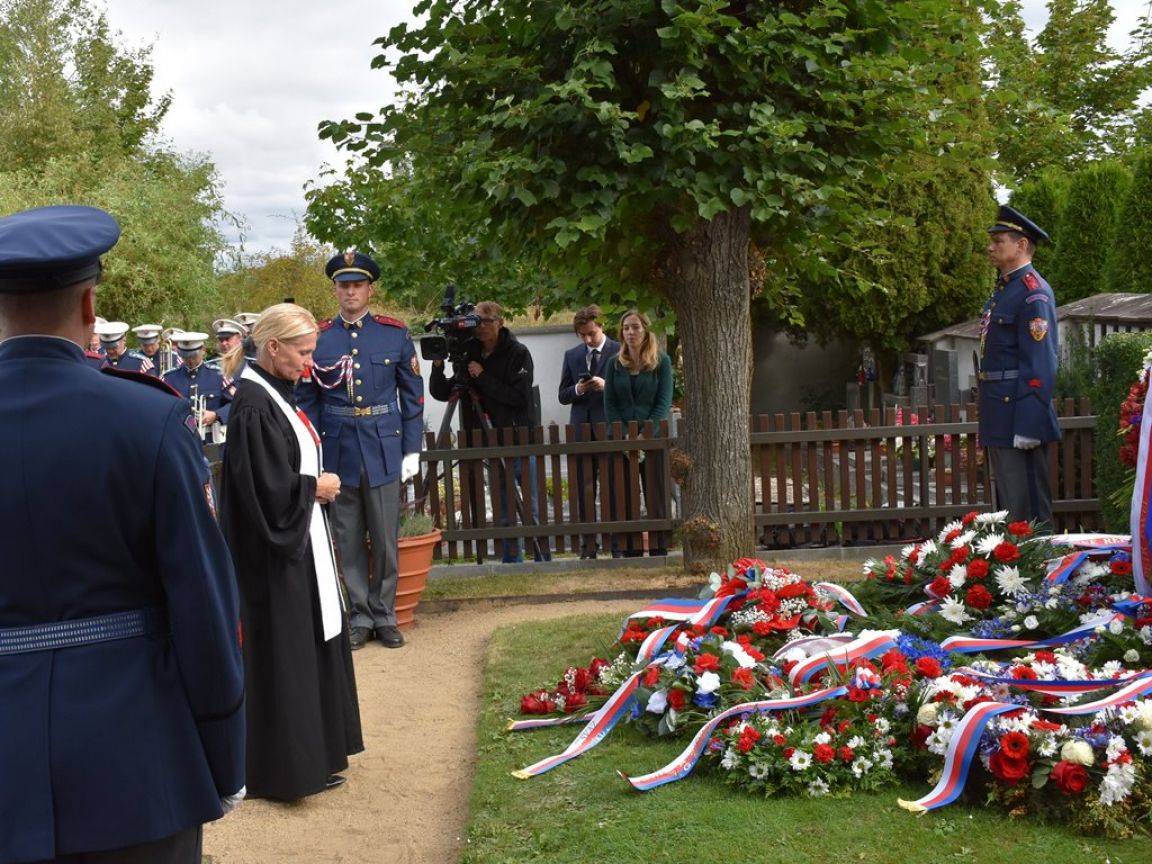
x=595 y=666
x=581 y=680
x=823 y=753
x=574 y=701
x=894 y=661
x=743 y=678
x=676 y=698
x=1006 y=552
x=1019 y=529
x=779 y=740
x=706 y=663
x=920 y=736
x=978 y=597
x=531 y=705
x=1005 y=768
x=1014 y=744
x=978 y=568
x=1069 y=777
x=748 y=739
x=929 y=667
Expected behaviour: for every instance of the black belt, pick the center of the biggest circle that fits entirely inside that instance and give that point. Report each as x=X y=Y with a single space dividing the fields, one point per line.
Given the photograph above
x=83 y=631
x=1006 y=375
x=367 y=411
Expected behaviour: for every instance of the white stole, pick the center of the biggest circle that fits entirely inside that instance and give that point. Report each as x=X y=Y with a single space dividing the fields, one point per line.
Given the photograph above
x=331 y=615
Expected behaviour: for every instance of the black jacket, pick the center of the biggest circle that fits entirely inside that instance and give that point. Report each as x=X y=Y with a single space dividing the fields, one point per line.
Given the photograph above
x=504 y=388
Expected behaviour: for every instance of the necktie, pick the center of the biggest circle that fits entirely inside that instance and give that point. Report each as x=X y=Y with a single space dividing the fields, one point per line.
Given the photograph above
x=593 y=359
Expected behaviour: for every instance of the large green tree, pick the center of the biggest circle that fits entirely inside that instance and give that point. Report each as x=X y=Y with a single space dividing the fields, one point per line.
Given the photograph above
x=79 y=124
x=1086 y=230
x=646 y=145
x=1129 y=265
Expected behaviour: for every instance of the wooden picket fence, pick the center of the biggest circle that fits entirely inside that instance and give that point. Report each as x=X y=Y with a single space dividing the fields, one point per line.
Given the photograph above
x=829 y=478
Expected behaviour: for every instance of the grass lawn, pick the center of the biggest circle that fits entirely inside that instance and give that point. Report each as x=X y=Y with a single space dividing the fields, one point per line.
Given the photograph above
x=582 y=812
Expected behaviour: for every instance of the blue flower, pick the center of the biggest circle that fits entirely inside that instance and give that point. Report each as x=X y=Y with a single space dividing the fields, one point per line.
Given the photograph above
x=706 y=700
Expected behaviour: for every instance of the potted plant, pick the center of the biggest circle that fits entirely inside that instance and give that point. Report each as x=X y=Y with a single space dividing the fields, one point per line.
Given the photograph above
x=419 y=537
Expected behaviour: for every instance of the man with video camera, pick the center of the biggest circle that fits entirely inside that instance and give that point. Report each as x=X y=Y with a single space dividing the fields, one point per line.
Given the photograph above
x=498 y=368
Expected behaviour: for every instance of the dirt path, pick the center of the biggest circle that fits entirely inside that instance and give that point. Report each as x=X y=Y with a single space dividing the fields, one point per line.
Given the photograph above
x=406 y=799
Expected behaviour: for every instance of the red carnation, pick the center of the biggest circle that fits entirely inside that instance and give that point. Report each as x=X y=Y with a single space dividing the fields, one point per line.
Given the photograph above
x=978 y=568
x=1069 y=777
x=894 y=660
x=1019 y=529
x=969 y=518
x=676 y=698
x=1006 y=552
x=823 y=753
x=960 y=554
x=929 y=667
x=847 y=754
x=940 y=587
x=748 y=738
x=978 y=597
x=651 y=676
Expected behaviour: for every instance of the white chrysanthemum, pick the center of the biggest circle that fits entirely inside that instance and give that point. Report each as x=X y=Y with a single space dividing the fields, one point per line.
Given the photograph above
x=708 y=682
x=861 y=766
x=954 y=525
x=907 y=551
x=1047 y=746
x=856 y=742
x=1117 y=784
x=758 y=770
x=958 y=575
x=883 y=757
x=953 y=610
x=987 y=544
x=927 y=548
x=800 y=761
x=1144 y=742
x=1116 y=746
x=964 y=539
x=657 y=702
x=869 y=567
x=991 y=518
x=1009 y=580
x=818 y=788
x=1090 y=571
x=730 y=759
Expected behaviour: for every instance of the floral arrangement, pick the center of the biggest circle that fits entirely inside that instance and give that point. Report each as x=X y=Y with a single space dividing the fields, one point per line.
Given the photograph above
x=1131 y=414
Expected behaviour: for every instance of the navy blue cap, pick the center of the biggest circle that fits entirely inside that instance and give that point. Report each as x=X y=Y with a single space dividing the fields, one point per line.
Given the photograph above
x=53 y=247
x=1010 y=219
x=352 y=267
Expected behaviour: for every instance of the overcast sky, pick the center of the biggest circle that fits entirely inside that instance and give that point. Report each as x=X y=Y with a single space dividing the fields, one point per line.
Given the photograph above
x=251 y=79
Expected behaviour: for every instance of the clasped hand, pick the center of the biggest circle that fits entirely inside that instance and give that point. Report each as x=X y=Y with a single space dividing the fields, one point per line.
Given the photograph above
x=327 y=487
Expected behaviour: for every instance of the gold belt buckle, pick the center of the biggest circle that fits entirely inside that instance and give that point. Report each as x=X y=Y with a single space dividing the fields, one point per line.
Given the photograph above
x=361 y=412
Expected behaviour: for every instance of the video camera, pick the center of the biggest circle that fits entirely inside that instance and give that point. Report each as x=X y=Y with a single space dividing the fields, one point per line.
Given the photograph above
x=457 y=325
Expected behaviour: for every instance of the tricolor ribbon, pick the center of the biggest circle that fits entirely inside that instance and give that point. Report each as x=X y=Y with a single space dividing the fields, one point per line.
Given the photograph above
x=971 y=645
x=1048 y=686
x=545 y=722
x=867 y=645
x=922 y=608
x=843 y=595
x=1141 y=685
x=682 y=765
x=1140 y=513
x=812 y=643
x=1061 y=569
x=962 y=750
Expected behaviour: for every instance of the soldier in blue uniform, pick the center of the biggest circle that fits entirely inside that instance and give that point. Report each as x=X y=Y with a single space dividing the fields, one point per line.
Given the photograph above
x=116 y=354
x=120 y=667
x=1019 y=351
x=366 y=397
x=148 y=340
x=199 y=383
x=229 y=333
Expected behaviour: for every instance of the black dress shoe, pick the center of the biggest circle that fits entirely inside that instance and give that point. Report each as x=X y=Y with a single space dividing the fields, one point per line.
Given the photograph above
x=357 y=636
x=335 y=780
x=389 y=636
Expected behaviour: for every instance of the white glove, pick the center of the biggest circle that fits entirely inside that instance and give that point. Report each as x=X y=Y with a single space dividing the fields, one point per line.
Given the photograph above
x=409 y=467
x=1022 y=443
x=229 y=802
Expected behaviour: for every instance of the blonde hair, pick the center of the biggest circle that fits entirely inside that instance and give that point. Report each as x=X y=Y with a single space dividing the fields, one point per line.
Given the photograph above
x=649 y=350
x=282 y=322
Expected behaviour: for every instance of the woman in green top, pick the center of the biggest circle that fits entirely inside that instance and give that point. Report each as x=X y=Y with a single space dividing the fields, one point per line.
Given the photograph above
x=638 y=386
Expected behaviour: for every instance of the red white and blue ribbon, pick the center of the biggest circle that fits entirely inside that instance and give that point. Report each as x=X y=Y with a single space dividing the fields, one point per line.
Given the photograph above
x=962 y=644
x=868 y=645
x=546 y=722
x=1061 y=569
x=962 y=749
x=1141 y=685
x=922 y=608
x=843 y=595
x=1140 y=513
x=812 y=642
x=682 y=765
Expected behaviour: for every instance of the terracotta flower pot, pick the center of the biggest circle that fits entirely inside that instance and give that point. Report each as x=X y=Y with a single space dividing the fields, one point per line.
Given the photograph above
x=415 y=561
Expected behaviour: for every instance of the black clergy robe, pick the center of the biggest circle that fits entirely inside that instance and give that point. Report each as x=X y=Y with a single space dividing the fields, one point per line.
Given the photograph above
x=303 y=714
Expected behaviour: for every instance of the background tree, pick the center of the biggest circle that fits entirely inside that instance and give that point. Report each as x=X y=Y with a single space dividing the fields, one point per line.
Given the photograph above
x=78 y=123
x=1042 y=198
x=1129 y=266
x=1086 y=228
x=637 y=144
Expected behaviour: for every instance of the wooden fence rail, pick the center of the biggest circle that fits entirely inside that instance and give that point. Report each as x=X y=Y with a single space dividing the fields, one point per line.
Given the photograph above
x=826 y=478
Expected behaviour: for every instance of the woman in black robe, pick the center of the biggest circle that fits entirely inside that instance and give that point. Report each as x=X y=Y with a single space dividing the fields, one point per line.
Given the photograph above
x=302 y=709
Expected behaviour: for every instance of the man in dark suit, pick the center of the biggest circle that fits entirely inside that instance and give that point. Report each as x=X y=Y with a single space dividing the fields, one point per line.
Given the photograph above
x=1019 y=353
x=121 y=678
x=582 y=387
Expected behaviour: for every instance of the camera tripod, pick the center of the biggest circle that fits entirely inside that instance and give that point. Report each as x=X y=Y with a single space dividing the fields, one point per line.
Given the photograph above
x=444 y=437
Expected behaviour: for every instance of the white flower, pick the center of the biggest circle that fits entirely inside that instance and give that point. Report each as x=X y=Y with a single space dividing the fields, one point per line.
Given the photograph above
x=1047 y=746
x=674 y=661
x=1078 y=752
x=1009 y=581
x=953 y=610
x=907 y=551
x=958 y=575
x=1144 y=720
x=708 y=682
x=1117 y=783
x=1111 y=669
x=800 y=761
x=1146 y=634
x=954 y=525
x=861 y=766
x=868 y=568
x=882 y=725
x=883 y=757
x=730 y=759
x=758 y=770
x=1116 y=746
x=1131 y=656
x=991 y=518
x=822 y=738
x=963 y=540
x=987 y=544
x=737 y=651
x=856 y=742
x=657 y=702
x=926 y=716
x=817 y=788
x=1144 y=742
x=1116 y=626
x=926 y=549
x=1031 y=622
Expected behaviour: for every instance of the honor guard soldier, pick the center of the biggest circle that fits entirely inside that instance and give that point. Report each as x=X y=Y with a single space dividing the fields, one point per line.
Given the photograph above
x=116 y=353
x=199 y=383
x=1019 y=351
x=148 y=340
x=120 y=671
x=366 y=397
x=228 y=334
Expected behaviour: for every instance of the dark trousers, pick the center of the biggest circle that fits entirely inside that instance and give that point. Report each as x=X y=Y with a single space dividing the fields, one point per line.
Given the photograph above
x=182 y=848
x=1022 y=488
x=373 y=512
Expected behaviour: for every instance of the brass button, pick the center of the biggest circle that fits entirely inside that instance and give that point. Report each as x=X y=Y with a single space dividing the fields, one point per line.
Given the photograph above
x=354 y=334
x=1005 y=398
x=355 y=365
x=387 y=360
x=355 y=351
x=361 y=398
x=397 y=431
x=358 y=382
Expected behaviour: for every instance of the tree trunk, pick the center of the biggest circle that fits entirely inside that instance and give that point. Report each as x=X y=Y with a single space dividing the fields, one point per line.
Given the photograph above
x=708 y=287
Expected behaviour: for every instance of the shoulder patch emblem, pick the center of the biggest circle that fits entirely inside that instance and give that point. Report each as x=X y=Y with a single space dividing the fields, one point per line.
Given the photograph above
x=415 y=365
x=1038 y=327
x=390 y=321
x=190 y=424
x=1038 y=297
x=1031 y=282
